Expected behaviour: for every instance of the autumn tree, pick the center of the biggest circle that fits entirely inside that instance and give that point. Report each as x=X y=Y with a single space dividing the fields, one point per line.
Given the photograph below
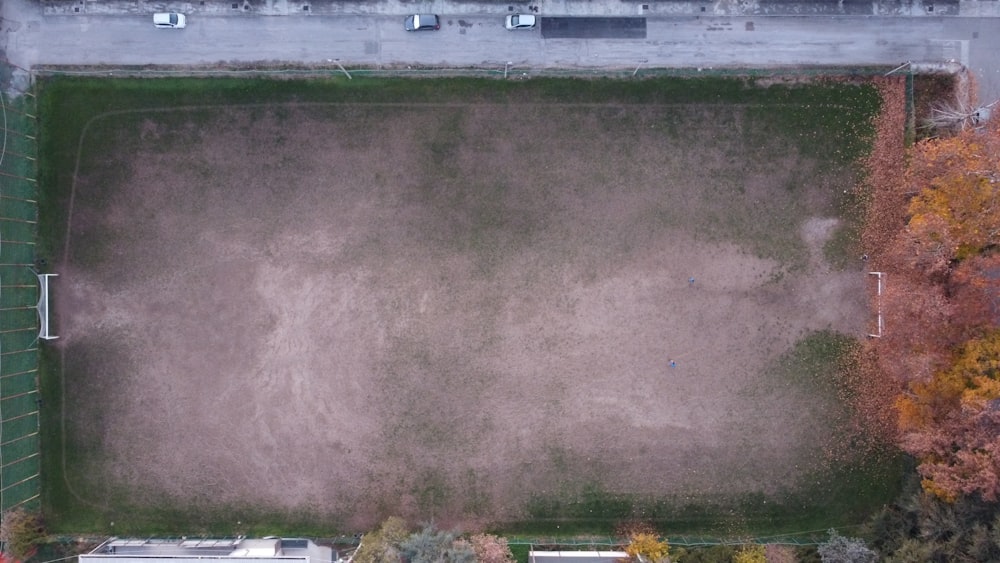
x=647 y=547
x=491 y=549
x=952 y=423
x=943 y=298
x=953 y=221
x=383 y=545
x=751 y=554
x=955 y=212
x=20 y=532
x=777 y=553
x=974 y=287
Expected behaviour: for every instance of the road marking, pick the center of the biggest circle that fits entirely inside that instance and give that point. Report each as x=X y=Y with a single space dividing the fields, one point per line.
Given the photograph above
x=954 y=50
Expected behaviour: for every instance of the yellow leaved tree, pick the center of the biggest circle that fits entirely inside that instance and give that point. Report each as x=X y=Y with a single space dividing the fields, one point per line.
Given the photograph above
x=751 y=554
x=957 y=183
x=647 y=548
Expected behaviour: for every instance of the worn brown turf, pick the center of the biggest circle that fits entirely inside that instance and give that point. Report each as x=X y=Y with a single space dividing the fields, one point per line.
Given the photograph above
x=442 y=311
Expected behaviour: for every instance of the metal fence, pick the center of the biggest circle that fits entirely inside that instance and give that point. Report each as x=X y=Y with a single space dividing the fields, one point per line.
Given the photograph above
x=611 y=543
x=19 y=396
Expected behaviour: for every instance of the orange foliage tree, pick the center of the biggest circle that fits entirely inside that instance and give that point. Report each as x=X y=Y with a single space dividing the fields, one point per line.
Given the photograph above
x=952 y=423
x=975 y=289
x=956 y=207
x=942 y=310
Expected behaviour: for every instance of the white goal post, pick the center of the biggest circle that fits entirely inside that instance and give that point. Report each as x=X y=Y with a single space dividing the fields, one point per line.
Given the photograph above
x=879 y=324
x=43 y=307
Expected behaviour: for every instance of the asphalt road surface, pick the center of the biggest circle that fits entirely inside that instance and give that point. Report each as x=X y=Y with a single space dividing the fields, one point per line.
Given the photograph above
x=31 y=38
x=593 y=28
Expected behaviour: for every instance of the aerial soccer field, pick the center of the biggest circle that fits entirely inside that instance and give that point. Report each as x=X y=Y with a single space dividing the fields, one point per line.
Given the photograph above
x=469 y=302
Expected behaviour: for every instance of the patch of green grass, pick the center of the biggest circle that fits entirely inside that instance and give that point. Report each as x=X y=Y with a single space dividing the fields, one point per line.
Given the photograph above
x=520 y=552
x=826 y=120
x=837 y=132
x=839 y=497
x=843 y=249
x=172 y=520
x=813 y=361
x=842 y=493
x=55 y=495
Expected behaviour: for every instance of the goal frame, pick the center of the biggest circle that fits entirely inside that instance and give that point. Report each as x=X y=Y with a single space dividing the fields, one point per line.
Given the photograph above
x=879 y=323
x=44 y=328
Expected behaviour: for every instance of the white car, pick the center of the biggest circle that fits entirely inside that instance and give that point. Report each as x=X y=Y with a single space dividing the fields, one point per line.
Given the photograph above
x=520 y=21
x=169 y=20
x=422 y=22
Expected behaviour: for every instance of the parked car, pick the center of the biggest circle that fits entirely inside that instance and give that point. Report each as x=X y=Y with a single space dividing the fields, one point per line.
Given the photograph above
x=422 y=22
x=520 y=21
x=169 y=20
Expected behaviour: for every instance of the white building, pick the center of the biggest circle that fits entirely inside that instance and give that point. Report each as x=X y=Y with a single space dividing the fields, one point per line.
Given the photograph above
x=231 y=550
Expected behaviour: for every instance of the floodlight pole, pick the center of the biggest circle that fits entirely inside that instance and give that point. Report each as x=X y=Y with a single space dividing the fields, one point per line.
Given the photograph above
x=344 y=70
x=638 y=66
x=898 y=68
x=341 y=67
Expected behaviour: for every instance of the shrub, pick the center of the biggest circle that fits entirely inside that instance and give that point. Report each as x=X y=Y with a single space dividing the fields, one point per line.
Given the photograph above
x=845 y=550
x=491 y=549
x=20 y=532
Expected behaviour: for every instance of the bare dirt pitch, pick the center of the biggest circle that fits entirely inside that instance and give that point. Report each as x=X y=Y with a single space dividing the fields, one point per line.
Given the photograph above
x=443 y=310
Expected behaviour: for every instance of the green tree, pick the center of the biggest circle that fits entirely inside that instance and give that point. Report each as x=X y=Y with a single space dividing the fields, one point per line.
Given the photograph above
x=712 y=554
x=433 y=546
x=913 y=551
x=922 y=527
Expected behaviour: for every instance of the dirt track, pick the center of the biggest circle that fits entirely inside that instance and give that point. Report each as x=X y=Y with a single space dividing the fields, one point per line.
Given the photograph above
x=370 y=310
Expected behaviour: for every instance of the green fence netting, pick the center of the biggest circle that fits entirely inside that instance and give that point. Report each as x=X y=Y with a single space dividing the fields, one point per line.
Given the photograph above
x=19 y=398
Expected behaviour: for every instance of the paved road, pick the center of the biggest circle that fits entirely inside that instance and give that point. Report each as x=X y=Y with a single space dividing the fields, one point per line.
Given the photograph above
x=480 y=40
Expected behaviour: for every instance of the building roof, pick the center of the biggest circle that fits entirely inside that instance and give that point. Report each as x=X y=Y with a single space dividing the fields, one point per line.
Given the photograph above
x=576 y=556
x=229 y=550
